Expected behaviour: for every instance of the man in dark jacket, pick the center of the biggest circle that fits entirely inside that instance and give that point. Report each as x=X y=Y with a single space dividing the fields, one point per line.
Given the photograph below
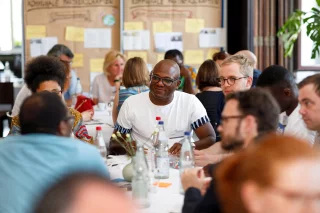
x=247 y=116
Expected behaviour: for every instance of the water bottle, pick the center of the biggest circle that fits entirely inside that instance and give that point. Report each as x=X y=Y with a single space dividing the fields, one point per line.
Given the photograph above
x=99 y=142
x=140 y=179
x=78 y=87
x=162 y=155
x=186 y=155
x=7 y=72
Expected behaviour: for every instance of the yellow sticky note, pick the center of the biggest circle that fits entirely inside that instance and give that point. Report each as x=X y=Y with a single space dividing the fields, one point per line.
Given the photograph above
x=74 y=34
x=194 y=25
x=162 y=27
x=160 y=57
x=133 y=25
x=211 y=52
x=193 y=57
x=141 y=54
x=35 y=31
x=96 y=65
x=77 y=60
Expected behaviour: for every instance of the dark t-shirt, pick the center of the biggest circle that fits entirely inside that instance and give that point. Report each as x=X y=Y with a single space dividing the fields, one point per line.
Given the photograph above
x=213 y=102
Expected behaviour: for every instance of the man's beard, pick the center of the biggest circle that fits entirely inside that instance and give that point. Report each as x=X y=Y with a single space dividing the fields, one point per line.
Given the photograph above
x=232 y=143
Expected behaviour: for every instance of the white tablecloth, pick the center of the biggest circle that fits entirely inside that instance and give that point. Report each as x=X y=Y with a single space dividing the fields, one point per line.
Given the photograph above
x=103 y=119
x=163 y=200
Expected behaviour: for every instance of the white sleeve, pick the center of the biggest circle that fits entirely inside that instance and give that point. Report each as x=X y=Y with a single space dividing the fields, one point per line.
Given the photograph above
x=22 y=95
x=124 y=121
x=198 y=113
x=95 y=87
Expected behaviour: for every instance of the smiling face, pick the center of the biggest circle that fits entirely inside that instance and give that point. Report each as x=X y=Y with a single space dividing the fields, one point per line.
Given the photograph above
x=116 y=68
x=310 y=107
x=168 y=71
x=233 y=71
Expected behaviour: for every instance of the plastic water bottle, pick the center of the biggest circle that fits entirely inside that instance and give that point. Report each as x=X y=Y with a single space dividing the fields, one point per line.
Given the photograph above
x=7 y=72
x=99 y=142
x=140 y=180
x=162 y=156
x=78 y=87
x=186 y=155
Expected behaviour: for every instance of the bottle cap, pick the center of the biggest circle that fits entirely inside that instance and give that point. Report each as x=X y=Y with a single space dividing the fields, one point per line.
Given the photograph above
x=158 y=118
x=160 y=122
x=187 y=133
x=98 y=128
x=78 y=78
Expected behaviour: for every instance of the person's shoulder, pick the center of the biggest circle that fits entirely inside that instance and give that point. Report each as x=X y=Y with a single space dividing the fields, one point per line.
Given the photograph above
x=138 y=97
x=256 y=72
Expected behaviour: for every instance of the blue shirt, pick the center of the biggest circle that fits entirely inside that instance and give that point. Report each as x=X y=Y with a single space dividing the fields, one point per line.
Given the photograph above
x=73 y=86
x=30 y=164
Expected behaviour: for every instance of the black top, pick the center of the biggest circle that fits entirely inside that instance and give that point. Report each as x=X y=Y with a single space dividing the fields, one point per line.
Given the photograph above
x=213 y=102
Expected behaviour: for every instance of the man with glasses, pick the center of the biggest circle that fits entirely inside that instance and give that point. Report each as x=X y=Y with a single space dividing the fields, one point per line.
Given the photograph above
x=235 y=74
x=43 y=154
x=180 y=111
x=246 y=117
x=46 y=73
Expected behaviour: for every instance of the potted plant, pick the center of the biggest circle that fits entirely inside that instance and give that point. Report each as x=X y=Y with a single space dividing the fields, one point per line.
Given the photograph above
x=291 y=29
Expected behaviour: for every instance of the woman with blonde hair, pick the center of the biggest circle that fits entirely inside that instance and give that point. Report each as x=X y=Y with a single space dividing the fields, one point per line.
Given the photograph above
x=103 y=86
x=280 y=174
x=135 y=80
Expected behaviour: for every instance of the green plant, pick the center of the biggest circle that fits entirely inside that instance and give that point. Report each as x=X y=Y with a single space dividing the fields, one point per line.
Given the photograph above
x=291 y=29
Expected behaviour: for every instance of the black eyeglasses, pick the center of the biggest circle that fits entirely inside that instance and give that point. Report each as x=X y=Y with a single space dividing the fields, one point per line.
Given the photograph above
x=231 y=81
x=166 y=81
x=226 y=118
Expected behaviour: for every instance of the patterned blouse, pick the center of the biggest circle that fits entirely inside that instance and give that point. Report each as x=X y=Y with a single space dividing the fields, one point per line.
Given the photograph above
x=79 y=129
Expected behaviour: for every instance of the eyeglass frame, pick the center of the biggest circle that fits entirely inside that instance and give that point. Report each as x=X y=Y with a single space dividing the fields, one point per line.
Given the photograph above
x=58 y=92
x=160 y=78
x=222 y=80
x=67 y=62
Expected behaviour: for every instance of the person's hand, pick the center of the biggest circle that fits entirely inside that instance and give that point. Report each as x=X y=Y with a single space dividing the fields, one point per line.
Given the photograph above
x=175 y=149
x=193 y=177
x=117 y=81
x=202 y=158
x=87 y=115
x=184 y=71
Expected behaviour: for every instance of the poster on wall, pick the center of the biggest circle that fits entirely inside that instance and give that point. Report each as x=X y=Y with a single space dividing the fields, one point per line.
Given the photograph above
x=212 y=37
x=136 y=40
x=167 y=41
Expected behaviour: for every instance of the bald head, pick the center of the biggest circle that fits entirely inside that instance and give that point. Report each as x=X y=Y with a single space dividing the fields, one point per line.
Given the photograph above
x=168 y=67
x=250 y=55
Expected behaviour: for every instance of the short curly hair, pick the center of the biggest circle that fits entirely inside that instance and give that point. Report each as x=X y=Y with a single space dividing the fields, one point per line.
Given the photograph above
x=44 y=68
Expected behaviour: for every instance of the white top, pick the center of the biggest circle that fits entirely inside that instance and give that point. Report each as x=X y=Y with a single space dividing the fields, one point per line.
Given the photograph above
x=294 y=125
x=101 y=88
x=22 y=95
x=138 y=116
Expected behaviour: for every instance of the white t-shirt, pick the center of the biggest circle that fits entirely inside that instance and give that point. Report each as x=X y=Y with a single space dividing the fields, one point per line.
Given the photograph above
x=294 y=125
x=138 y=116
x=101 y=88
x=22 y=95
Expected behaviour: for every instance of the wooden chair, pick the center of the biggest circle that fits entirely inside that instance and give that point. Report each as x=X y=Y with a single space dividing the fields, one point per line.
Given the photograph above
x=6 y=102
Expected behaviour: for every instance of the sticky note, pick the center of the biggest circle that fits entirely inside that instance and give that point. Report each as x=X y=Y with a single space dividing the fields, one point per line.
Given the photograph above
x=133 y=25
x=211 y=52
x=96 y=65
x=160 y=57
x=194 y=25
x=162 y=27
x=141 y=54
x=74 y=34
x=77 y=60
x=193 y=57
x=35 y=31
x=162 y=184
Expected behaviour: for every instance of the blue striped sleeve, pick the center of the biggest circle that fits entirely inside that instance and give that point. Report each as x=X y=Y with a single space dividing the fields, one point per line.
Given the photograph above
x=201 y=121
x=121 y=129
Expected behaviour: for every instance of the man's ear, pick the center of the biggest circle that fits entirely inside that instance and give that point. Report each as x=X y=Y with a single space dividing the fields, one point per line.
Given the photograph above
x=63 y=128
x=287 y=92
x=249 y=82
x=178 y=84
x=251 y=123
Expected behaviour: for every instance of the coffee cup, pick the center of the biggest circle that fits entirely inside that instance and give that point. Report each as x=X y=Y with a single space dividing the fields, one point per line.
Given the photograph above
x=102 y=106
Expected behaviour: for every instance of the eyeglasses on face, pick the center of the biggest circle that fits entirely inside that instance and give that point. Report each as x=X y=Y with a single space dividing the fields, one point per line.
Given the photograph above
x=67 y=62
x=165 y=81
x=226 y=118
x=58 y=92
x=231 y=80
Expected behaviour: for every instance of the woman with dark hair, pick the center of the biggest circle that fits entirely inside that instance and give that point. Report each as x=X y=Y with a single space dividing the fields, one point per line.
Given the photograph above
x=210 y=95
x=46 y=73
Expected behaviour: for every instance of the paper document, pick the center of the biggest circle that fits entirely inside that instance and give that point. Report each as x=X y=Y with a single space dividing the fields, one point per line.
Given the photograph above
x=212 y=37
x=193 y=25
x=97 y=38
x=133 y=25
x=141 y=54
x=41 y=46
x=74 y=34
x=168 y=41
x=162 y=27
x=136 y=40
x=96 y=65
x=193 y=57
x=35 y=31
x=77 y=60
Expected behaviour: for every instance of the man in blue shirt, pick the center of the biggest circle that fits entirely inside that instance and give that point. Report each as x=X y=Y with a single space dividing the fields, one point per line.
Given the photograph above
x=43 y=154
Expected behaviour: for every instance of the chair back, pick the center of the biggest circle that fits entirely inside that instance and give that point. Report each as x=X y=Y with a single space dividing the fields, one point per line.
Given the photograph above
x=6 y=93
